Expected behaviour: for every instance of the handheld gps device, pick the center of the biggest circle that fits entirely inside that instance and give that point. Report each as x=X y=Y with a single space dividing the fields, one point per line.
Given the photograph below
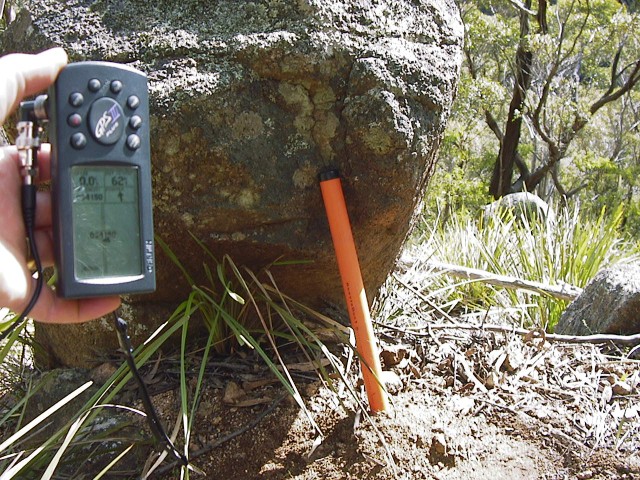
x=101 y=181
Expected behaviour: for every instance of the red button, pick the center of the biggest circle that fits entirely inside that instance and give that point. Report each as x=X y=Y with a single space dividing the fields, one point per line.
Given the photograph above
x=74 y=120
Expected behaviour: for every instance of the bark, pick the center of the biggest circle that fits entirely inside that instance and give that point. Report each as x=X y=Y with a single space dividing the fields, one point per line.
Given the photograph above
x=504 y=166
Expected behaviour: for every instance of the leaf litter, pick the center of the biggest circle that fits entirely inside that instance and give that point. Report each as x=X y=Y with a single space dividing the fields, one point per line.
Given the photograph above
x=466 y=404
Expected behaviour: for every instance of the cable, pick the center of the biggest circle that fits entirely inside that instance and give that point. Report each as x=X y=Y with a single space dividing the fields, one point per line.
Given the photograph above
x=152 y=417
x=29 y=215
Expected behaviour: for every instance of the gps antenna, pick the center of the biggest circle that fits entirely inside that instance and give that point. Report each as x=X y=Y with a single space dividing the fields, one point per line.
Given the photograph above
x=353 y=287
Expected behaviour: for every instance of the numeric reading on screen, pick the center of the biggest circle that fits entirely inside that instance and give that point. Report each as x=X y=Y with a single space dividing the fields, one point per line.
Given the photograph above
x=106 y=222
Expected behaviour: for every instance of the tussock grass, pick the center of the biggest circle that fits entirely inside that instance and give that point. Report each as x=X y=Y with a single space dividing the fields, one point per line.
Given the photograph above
x=570 y=249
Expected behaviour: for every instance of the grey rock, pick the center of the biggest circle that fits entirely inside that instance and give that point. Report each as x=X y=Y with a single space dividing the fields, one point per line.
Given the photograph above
x=610 y=303
x=108 y=430
x=521 y=204
x=251 y=100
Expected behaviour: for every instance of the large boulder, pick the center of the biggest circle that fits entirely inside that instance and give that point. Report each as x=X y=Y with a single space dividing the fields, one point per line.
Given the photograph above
x=610 y=303
x=251 y=100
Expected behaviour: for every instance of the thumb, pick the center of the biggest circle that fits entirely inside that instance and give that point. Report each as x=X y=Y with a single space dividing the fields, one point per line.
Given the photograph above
x=22 y=75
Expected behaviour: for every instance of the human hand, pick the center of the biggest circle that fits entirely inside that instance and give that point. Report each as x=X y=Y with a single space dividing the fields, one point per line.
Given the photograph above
x=22 y=75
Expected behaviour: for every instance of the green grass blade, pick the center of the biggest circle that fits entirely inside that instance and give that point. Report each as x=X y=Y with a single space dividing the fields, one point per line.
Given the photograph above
x=112 y=463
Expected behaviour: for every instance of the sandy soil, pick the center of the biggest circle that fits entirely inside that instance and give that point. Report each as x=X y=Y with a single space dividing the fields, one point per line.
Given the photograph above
x=466 y=405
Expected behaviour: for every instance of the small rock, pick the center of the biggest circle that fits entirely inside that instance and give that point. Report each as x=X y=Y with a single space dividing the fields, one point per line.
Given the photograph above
x=513 y=361
x=391 y=381
x=233 y=393
x=584 y=475
x=608 y=304
x=439 y=445
x=102 y=373
x=463 y=405
x=491 y=381
x=393 y=354
x=522 y=205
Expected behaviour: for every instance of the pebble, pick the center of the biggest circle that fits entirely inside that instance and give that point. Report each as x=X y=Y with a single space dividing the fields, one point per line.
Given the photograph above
x=392 y=381
x=584 y=475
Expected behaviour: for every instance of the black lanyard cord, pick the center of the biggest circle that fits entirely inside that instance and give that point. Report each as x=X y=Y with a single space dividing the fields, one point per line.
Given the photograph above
x=152 y=417
x=28 y=210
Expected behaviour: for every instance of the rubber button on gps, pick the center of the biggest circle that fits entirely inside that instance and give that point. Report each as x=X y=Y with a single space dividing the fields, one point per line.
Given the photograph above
x=74 y=120
x=106 y=121
x=133 y=142
x=94 y=85
x=78 y=141
x=133 y=102
x=116 y=86
x=135 y=122
x=76 y=99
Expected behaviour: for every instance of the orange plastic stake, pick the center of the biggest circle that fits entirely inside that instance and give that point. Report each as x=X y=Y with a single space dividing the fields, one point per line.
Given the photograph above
x=354 y=292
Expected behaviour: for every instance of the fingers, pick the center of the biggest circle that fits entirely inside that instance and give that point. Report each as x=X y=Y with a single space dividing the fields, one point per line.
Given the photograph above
x=53 y=309
x=44 y=244
x=43 y=212
x=44 y=163
x=12 y=226
x=23 y=75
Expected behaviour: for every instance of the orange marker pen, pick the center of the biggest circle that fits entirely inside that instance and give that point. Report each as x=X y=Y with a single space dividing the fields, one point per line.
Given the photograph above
x=353 y=286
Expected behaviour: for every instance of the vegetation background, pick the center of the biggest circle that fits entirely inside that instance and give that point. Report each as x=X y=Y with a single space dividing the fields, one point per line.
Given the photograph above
x=547 y=103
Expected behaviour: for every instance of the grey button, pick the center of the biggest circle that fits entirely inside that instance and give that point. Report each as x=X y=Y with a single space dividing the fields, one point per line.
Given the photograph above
x=133 y=142
x=133 y=102
x=116 y=86
x=74 y=120
x=76 y=99
x=94 y=85
x=78 y=141
x=135 y=122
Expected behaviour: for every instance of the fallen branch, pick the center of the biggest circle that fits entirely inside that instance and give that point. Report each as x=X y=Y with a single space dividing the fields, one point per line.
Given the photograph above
x=629 y=340
x=563 y=292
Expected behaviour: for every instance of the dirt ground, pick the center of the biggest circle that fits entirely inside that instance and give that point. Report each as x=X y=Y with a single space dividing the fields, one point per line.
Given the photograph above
x=467 y=402
x=465 y=405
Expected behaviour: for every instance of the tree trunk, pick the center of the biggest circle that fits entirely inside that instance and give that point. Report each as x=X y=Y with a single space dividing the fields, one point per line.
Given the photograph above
x=504 y=166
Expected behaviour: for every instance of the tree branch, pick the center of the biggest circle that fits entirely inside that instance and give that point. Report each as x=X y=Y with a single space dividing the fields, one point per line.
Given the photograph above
x=611 y=94
x=492 y=123
x=541 y=17
x=575 y=190
x=564 y=292
x=533 y=334
x=556 y=182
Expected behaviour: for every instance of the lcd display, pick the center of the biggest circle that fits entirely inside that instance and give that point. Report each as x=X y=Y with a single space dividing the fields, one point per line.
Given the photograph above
x=106 y=222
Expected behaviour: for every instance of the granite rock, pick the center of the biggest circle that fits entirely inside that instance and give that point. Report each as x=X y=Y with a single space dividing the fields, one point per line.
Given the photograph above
x=251 y=100
x=610 y=303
